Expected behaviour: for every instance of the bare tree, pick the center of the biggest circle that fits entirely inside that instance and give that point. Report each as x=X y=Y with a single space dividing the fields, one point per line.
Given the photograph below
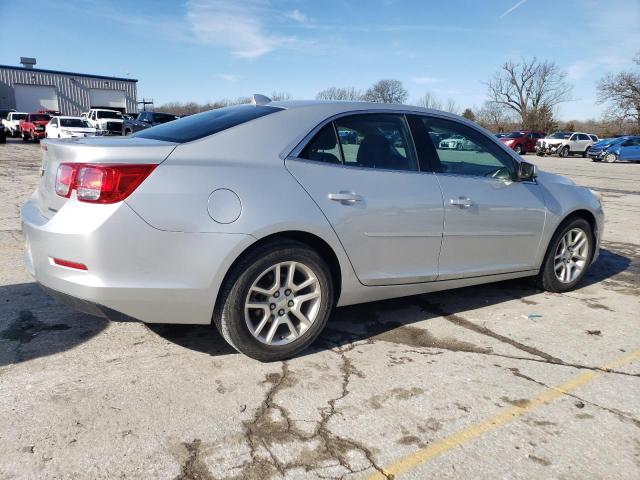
x=452 y=106
x=529 y=87
x=387 y=91
x=622 y=93
x=280 y=96
x=495 y=117
x=429 y=100
x=340 y=93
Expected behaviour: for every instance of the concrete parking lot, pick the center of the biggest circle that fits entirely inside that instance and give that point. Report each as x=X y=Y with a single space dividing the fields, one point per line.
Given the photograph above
x=494 y=381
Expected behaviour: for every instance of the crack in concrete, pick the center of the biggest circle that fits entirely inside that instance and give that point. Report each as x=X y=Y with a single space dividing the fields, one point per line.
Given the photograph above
x=625 y=416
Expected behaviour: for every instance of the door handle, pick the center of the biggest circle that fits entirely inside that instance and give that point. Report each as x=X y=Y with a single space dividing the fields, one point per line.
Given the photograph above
x=462 y=202
x=345 y=198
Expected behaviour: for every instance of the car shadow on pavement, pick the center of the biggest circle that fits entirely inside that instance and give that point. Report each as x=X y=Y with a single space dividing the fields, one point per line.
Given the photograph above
x=33 y=325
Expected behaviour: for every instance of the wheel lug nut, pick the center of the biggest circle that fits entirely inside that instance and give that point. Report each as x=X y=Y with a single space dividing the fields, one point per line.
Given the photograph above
x=290 y=303
x=287 y=292
x=272 y=306
x=277 y=294
x=281 y=312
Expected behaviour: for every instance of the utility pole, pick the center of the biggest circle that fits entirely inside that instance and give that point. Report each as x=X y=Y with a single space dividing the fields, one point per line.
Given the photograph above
x=144 y=102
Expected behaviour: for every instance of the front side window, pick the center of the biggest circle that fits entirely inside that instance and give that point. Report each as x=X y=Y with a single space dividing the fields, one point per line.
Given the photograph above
x=323 y=147
x=379 y=141
x=461 y=150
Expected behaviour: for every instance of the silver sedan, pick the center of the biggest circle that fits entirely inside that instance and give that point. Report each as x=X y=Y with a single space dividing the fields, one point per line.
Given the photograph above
x=261 y=218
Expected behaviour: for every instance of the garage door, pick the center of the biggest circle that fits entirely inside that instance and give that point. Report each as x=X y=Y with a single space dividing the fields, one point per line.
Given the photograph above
x=31 y=98
x=101 y=98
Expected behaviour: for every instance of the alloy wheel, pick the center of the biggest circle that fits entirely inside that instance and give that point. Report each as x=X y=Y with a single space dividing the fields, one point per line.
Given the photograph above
x=282 y=303
x=571 y=255
x=610 y=157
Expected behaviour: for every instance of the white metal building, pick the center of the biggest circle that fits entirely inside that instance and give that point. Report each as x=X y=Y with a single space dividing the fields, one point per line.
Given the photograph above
x=28 y=89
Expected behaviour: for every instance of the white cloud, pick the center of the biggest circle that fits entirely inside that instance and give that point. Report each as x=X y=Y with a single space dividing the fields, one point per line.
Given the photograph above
x=580 y=69
x=425 y=80
x=237 y=26
x=298 y=16
x=229 y=77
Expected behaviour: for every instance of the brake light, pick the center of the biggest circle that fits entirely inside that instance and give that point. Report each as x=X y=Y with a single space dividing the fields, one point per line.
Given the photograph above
x=98 y=183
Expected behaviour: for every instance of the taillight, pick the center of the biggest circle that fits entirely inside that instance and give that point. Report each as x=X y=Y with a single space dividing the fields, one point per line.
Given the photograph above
x=64 y=179
x=97 y=183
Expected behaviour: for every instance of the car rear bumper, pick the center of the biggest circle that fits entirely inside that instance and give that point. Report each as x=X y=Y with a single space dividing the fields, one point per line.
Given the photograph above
x=132 y=268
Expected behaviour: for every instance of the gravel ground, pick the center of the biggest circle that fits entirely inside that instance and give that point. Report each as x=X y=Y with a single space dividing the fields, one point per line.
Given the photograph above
x=495 y=381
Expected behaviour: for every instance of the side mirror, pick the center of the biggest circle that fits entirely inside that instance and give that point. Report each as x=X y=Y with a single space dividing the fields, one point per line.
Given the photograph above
x=527 y=171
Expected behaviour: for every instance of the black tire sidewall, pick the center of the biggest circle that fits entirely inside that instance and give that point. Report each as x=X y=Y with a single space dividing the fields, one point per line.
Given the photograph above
x=547 y=277
x=229 y=315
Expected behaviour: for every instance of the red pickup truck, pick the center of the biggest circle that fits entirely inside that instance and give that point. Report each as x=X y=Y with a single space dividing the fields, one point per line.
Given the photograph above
x=32 y=127
x=522 y=141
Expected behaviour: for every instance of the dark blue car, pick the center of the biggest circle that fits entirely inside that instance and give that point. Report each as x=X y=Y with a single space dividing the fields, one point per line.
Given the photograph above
x=611 y=150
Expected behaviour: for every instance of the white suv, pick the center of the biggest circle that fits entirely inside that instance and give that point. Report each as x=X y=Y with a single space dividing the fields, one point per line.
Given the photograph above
x=564 y=144
x=108 y=121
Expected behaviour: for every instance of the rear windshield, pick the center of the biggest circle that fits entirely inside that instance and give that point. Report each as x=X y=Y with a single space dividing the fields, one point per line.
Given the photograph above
x=74 y=122
x=18 y=116
x=206 y=123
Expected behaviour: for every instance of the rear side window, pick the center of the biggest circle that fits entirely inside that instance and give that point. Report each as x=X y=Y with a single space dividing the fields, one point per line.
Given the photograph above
x=323 y=147
x=376 y=141
x=204 y=124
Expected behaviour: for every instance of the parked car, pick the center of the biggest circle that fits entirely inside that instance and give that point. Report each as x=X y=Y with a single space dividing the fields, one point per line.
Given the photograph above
x=33 y=126
x=522 y=141
x=564 y=144
x=108 y=122
x=68 y=127
x=179 y=223
x=11 y=124
x=146 y=120
x=614 y=149
x=456 y=142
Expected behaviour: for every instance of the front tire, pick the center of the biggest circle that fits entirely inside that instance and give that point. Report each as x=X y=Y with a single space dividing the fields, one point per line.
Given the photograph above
x=568 y=256
x=518 y=149
x=564 y=153
x=275 y=302
x=610 y=158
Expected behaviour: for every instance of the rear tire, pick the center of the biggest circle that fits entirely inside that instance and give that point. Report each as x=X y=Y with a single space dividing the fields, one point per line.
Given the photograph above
x=552 y=276
x=233 y=315
x=518 y=149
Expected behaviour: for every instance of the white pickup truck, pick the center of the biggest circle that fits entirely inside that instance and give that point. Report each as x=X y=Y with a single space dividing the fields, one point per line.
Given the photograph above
x=11 y=124
x=109 y=122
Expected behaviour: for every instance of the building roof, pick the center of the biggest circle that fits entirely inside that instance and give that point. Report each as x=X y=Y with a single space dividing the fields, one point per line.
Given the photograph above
x=11 y=67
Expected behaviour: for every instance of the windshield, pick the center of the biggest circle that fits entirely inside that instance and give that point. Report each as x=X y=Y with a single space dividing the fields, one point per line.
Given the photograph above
x=108 y=114
x=560 y=135
x=205 y=123
x=515 y=135
x=74 y=123
x=18 y=116
x=40 y=118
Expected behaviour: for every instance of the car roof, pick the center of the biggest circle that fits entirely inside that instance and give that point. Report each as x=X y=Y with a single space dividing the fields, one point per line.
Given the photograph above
x=68 y=116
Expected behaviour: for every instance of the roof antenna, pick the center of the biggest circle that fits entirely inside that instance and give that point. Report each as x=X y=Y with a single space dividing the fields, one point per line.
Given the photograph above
x=258 y=99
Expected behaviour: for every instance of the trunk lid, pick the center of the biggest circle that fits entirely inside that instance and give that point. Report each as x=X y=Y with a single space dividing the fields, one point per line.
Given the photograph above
x=92 y=150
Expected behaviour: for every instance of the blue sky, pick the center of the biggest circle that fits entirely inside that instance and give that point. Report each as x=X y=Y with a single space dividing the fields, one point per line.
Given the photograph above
x=210 y=49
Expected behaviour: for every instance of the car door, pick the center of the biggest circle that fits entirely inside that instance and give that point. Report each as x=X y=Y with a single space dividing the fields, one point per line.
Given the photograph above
x=630 y=149
x=493 y=223
x=362 y=171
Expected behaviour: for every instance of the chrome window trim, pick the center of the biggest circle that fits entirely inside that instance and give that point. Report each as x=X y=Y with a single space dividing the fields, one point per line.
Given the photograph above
x=294 y=152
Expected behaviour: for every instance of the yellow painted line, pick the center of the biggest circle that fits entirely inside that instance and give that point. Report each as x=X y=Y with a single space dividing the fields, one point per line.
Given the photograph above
x=506 y=416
